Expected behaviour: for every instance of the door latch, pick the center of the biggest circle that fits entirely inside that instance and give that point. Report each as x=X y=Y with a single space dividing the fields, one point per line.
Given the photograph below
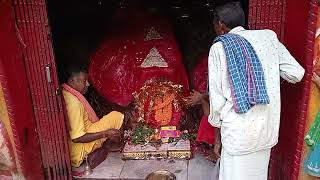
x=48 y=73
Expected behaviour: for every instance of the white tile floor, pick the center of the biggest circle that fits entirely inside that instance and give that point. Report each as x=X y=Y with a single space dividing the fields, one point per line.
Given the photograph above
x=113 y=167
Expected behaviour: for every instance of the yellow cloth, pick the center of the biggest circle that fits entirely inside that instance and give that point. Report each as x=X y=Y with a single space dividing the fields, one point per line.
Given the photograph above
x=80 y=125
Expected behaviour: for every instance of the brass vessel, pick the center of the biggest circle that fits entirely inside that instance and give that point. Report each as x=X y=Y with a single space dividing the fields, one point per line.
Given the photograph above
x=87 y=168
x=161 y=175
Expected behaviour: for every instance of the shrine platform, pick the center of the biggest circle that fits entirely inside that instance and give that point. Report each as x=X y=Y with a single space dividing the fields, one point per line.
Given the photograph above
x=197 y=168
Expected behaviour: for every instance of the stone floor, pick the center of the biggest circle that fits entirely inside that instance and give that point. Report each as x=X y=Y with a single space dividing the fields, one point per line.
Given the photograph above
x=197 y=168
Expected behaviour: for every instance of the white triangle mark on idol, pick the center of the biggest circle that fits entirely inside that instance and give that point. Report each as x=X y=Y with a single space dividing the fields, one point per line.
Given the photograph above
x=152 y=35
x=154 y=59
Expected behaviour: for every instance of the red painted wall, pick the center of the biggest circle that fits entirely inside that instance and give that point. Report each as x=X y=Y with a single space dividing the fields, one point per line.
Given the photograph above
x=17 y=95
x=286 y=156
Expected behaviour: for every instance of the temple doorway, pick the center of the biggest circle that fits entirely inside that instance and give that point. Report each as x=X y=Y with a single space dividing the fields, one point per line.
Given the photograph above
x=89 y=32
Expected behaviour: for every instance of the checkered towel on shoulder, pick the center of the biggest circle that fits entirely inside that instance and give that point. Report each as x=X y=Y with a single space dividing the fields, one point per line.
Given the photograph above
x=246 y=76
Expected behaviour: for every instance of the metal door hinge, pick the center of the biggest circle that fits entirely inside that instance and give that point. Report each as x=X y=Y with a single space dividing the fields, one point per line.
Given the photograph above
x=48 y=73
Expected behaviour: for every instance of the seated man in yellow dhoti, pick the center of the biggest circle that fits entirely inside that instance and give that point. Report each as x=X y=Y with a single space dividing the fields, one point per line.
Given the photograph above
x=87 y=131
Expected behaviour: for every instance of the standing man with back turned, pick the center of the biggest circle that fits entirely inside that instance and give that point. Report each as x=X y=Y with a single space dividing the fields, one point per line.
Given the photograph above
x=245 y=67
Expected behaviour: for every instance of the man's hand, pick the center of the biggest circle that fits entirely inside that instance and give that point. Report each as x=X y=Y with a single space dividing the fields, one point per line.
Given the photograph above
x=217 y=150
x=195 y=98
x=217 y=143
x=113 y=135
x=316 y=79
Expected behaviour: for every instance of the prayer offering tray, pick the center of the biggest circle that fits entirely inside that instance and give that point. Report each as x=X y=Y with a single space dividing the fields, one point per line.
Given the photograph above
x=175 y=150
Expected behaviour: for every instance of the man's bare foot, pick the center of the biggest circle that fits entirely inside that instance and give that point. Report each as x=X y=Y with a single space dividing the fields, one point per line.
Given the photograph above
x=78 y=171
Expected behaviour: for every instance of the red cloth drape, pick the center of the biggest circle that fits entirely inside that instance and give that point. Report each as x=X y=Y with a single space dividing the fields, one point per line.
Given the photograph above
x=200 y=80
x=115 y=69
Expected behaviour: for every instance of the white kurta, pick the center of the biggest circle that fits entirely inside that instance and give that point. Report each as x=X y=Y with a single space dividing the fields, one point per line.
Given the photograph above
x=256 y=130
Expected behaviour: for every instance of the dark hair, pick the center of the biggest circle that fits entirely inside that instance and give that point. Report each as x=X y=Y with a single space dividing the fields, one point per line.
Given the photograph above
x=73 y=70
x=231 y=14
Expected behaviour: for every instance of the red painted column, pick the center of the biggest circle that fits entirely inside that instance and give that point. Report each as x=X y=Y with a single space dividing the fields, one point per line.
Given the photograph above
x=17 y=95
x=298 y=37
